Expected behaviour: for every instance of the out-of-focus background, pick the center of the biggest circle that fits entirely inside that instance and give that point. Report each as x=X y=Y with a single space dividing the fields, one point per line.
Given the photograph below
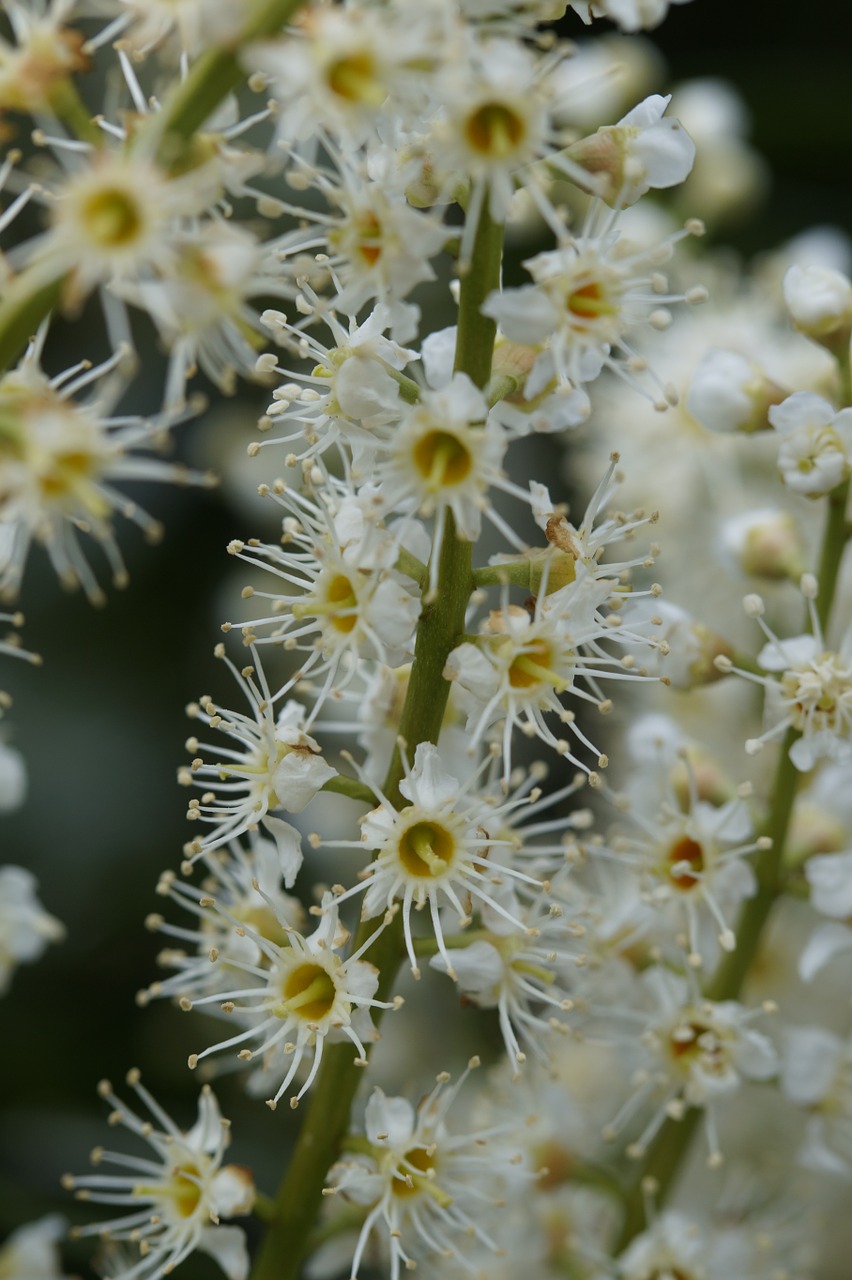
x=102 y=725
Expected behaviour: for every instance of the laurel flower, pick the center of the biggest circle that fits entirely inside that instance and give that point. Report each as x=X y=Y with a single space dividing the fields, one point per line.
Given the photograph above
x=422 y=1185
x=245 y=879
x=174 y=1200
x=302 y=996
x=339 y=595
x=587 y=298
x=812 y=692
x=269 y=764
x=26 y=928
x=61 y=459
x=699 y=1051
x=435 y=851
x=350 y=391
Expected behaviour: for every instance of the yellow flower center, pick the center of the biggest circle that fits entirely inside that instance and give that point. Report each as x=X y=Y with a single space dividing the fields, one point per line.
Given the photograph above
x=354 y=77
x=685 y=850
x=426 y=849
x=442 y=459
x=309 y=992
x=495 y=130
x=112 y=217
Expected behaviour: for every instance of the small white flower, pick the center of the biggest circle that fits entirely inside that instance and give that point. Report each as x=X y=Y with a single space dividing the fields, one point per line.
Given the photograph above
x=61 y=459
x=728 y=392
x=350 y=392
x=340 y=596
x=25 y=926
x=644 y=149
x=815 y=446
x=272 y=764
x=423 y=1186
x=819 y=300
x=587 y=297
x=302 y=996
x=629 y=15
x=702 y=1050
x=175 y=1199
x=812 y=694
x=246 y=882
x=817 y=1075
x=30 y=1253
x=435 y=850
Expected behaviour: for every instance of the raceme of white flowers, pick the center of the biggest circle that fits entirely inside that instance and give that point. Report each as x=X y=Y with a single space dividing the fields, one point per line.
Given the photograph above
x=596 y=761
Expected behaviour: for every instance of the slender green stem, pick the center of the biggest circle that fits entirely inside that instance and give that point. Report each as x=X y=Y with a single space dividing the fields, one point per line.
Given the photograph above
x=27 y=300
x=69 y=107
x=833 y=546
x=327 y=1115
x=351 y=787
x=512 y=572
x=211 y=78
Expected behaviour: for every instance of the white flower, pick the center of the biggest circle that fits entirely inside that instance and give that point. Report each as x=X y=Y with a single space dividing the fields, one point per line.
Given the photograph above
x=200 y=305
x=521 y=976
x=643 y=150
x=175 y=1199
x=42 y=59
x=271 y=764
x=349 y=393
x=813 y=693
x=435 y=850
x=424 y=1187
x=728 y=392
x=672 y=1247
x=829 y=876
x=816 y=443
x=30 y=1253
x=246 y=882
x=691 y=864
x=587 y=297
x=526 y=659
x=630 y=15
x=114 y=219
x=340 y=596
x=61 y=459
x=819 y=300
x=302 y=995
x=704 y=1049
x=817 y=1075
x=25 y=926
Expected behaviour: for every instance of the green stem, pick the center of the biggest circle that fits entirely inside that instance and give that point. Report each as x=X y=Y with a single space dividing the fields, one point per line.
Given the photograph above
x=514 y=572
x=67 y=105
x=833 y=546
x=351 y=787
x=211 y=78
x=28 y=299
x=409 y=390
x=327 y=1115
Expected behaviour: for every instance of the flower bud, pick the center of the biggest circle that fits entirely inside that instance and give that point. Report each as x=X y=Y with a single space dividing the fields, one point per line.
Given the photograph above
x=728 y=393
x=766 y=543
x=820 y=303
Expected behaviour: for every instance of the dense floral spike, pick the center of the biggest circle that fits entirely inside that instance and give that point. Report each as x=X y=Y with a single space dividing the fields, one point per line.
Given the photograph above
x=174 y=1199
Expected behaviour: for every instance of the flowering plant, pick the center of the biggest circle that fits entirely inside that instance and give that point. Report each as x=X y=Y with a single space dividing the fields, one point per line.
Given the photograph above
x=503 y=760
